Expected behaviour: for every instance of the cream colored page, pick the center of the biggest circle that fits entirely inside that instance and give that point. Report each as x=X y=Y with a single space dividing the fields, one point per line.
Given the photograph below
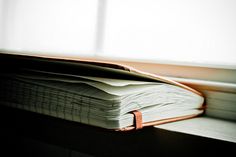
x=109 y=81
x=120 y=88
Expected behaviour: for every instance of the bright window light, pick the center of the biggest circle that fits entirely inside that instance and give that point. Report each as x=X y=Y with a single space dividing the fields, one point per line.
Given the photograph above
x=1 y=23
x=199 y=31
x=60 y=26
x=189 y=31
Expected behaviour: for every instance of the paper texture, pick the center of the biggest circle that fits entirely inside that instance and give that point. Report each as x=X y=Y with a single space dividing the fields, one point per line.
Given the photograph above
x=94 y=93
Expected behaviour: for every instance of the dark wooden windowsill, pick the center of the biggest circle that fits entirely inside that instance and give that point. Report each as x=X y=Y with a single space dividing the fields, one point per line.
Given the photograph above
x=17 y=125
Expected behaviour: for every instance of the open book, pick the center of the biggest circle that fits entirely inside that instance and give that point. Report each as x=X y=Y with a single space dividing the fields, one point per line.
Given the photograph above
x=101 y=94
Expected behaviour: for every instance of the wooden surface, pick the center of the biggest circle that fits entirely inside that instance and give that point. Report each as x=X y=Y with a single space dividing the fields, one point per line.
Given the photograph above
x=31 y=134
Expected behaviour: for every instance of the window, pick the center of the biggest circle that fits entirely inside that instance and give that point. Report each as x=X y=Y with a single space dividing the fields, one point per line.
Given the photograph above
x=195 y=31
x=56 y=26
x=200 y=31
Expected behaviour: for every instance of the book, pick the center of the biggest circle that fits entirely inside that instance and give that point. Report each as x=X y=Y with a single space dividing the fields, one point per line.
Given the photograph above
x=96 y=93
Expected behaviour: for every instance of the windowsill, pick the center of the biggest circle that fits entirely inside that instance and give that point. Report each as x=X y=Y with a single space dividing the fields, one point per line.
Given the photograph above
x=205 y=127
x=165 y=140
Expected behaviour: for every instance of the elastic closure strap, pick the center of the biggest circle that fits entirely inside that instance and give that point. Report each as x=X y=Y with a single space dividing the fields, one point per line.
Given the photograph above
x=138 y=120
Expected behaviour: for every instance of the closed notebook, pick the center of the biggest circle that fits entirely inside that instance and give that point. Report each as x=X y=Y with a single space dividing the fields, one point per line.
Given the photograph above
x=100 y=94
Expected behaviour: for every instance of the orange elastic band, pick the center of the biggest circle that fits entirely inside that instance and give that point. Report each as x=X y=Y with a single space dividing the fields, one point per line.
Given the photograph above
x=138 y=120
